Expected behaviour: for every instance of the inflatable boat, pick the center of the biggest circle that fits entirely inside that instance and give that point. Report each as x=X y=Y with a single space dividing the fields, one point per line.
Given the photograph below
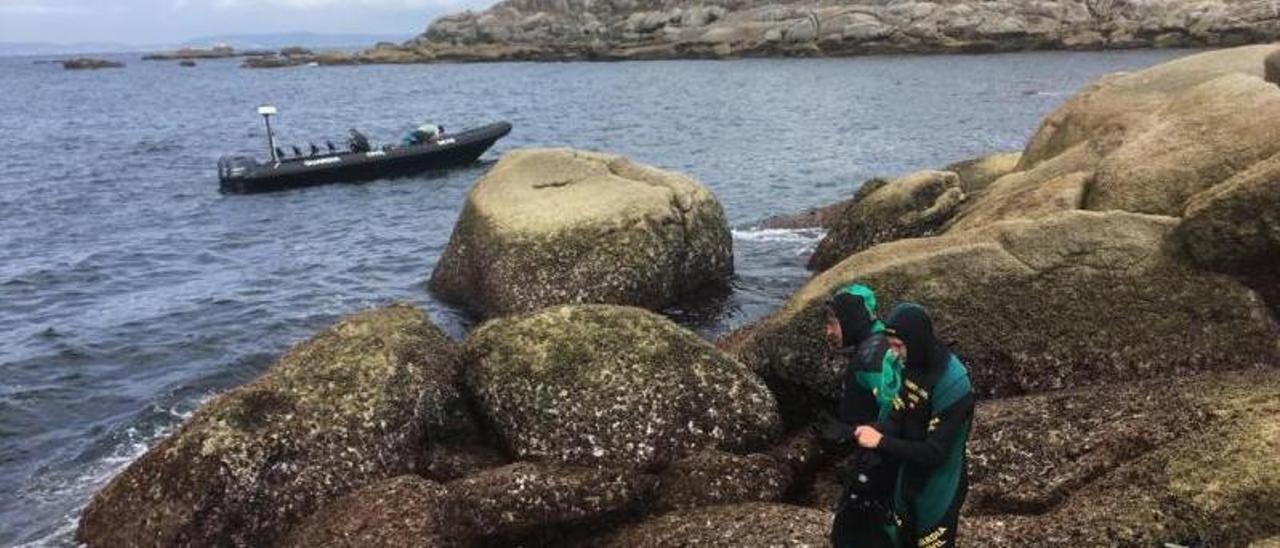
x=359 y=162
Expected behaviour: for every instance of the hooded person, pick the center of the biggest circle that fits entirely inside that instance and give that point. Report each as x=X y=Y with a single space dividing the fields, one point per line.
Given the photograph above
x=927 y=431
x=871 y=380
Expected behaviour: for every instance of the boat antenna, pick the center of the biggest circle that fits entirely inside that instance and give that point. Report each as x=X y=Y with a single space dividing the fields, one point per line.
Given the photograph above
x=267 y=111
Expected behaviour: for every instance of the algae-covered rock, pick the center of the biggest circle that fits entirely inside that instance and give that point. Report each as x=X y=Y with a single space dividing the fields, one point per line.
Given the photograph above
x=712 y=477
x=975 y=174
x=824 y=216
x=357 y=403
x=1031 y=305
x=748 y=524
x=402 y=512
x=1235 y=226
x=1214 y=481
x=559 y=226
x=915 y=205
x=592 y=384
x=505 y=503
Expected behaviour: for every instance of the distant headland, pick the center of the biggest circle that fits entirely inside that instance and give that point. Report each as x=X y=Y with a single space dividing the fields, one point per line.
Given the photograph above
x=589 y=30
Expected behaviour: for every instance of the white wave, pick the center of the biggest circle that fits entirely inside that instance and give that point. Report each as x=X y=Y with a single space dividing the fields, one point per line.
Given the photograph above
x=793 y=235
x=82 y=485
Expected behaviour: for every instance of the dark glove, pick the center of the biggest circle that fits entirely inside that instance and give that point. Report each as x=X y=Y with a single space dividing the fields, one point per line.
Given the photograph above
x=833 y=432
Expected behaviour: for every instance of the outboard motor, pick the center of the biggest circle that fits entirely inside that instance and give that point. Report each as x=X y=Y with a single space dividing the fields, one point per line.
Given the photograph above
x=315 y=150
x=297 y=152
x=332 y=149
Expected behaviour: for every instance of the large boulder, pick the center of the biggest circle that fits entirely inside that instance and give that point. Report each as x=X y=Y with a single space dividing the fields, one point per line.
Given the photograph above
x=402 y=512
x=748 y=524
x=975 y=174
x=711 y=477
x=1146 y=142
x=597 y=384
x=1212 y=479
x=915 y=205
x=1077 y=297
x=360 y=402
x=1199 y=138
x=1235 y=226
x=1103 y=113
x=503 y=505
x=559 y=226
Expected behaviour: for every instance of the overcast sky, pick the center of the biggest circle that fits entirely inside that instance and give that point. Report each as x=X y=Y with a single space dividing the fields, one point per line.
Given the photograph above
x=171 y=21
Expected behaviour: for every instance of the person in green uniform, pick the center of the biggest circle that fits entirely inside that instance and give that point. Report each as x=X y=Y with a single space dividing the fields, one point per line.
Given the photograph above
x=927 y=431
x=871 y=379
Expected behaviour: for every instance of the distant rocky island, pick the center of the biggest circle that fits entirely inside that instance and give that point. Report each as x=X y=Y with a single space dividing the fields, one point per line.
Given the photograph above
x=89 y=63
x=615 y=30
x=217 y=52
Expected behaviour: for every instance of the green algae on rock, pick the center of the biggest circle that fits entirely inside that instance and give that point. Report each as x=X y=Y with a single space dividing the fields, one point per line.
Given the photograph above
x=557 y=226
x=357 y=403
x=599 y=384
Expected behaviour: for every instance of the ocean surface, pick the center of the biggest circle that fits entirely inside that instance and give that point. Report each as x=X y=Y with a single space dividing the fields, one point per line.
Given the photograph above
x=131 y=290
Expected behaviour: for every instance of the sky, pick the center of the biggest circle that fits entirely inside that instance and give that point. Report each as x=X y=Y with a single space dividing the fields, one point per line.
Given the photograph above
x=143 y=22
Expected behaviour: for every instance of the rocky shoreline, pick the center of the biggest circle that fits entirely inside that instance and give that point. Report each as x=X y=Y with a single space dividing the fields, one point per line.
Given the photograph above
x=1113 y=288
x=537 y=30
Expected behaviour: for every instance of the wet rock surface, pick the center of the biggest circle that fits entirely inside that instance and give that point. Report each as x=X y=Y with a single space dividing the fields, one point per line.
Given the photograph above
x=559 y=226
x=523 y=501
x=405 y=511
x=597 y=384
x=750 y=524
x=711 y=477
x=358 y=403
x=1132 y=484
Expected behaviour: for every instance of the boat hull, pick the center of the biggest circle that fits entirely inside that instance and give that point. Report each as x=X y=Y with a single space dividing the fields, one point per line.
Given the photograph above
x=354 y=167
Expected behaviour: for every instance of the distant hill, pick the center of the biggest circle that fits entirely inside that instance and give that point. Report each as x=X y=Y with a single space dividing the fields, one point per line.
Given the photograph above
x=305 y=39
x=312 y=40
x=49 y=48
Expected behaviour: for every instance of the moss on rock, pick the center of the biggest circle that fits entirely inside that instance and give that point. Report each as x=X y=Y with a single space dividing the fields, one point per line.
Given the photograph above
x=355 y=404
x=591 y=384
x=558 y=226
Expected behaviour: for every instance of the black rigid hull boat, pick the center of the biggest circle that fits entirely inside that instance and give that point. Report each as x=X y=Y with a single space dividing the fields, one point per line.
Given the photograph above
x=240 y=174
